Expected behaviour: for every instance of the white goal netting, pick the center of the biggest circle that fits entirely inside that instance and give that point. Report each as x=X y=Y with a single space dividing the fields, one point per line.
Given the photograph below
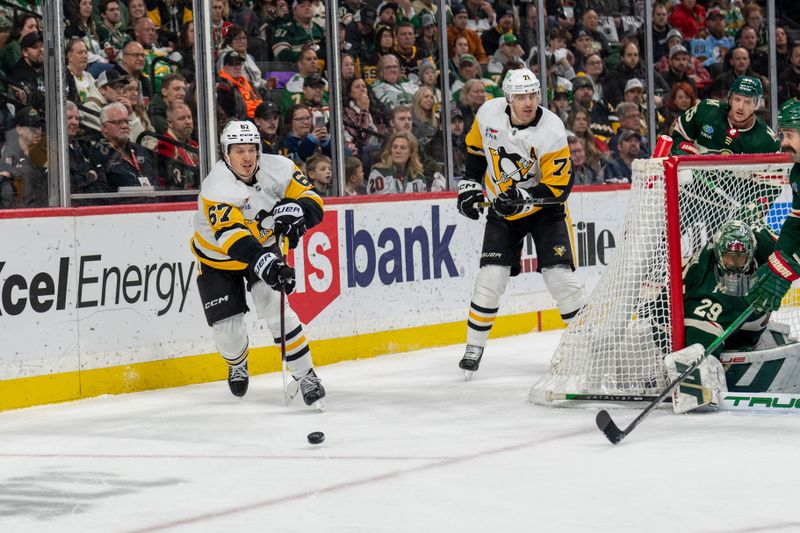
x=613 y=349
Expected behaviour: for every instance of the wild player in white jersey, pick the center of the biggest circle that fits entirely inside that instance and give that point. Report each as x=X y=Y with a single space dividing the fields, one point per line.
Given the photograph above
x=522 y=152
x=247 y=200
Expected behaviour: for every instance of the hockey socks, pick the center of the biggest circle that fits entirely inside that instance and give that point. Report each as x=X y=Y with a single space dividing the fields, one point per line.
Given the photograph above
x=298 y=353
x=489 y=286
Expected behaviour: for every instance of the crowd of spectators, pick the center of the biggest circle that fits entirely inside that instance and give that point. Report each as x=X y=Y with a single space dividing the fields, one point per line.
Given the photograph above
x=132 y=112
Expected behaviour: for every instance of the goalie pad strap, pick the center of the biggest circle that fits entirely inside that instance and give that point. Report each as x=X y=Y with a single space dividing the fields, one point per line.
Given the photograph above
x=700 y=388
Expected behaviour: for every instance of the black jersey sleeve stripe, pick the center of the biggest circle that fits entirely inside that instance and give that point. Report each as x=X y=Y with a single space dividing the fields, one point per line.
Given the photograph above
x=237 y=225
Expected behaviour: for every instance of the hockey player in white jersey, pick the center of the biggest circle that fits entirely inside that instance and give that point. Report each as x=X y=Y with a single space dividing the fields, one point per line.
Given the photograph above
x=247 y=200
x=519 y=151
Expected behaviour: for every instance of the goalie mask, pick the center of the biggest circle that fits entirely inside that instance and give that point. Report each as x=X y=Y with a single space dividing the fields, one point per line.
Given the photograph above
x=734 y=246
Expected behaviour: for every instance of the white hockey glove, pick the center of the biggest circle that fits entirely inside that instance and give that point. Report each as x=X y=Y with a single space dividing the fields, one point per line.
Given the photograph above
x=275 y=272
x=703 y=387
x=469 y=194
x=289 y=220
x=512 y=202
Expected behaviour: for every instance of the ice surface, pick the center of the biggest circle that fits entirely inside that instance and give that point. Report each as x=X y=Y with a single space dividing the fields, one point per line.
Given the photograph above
x=410 y=447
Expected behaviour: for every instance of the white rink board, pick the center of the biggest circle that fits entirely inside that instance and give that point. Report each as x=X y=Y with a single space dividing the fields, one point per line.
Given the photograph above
x=355 y=277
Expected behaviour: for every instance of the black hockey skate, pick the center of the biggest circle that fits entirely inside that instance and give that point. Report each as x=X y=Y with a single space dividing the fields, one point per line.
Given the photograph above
x=471 y=360
x=312 y=390
x=238 y=379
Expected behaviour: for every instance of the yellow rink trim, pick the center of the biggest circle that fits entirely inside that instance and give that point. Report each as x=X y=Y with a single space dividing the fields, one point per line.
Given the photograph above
x=67 y=386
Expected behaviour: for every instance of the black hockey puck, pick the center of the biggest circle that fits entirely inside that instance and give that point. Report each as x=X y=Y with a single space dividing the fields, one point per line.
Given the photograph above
x=316 y=437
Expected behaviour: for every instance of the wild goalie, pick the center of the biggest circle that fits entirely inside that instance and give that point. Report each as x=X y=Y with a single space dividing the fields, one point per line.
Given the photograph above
x=761 y=356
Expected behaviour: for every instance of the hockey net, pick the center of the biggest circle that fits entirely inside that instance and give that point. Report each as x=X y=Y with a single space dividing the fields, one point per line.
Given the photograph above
x=613 y=349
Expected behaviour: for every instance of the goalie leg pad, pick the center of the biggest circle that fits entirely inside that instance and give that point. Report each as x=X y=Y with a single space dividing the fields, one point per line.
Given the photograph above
x=702 y=387
x=773 y=370
x=567 y=290
x=230 y=337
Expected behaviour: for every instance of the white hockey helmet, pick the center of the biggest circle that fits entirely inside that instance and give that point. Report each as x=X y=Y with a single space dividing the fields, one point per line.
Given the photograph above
x=239 y=132
x=520 y=81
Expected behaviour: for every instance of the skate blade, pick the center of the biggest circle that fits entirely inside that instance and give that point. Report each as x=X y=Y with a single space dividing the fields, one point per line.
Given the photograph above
x=320 y=405
x=290 y=392
x=468 y=375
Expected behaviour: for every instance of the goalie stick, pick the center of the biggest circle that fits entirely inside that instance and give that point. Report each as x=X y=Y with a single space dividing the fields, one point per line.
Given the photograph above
x=610 y=429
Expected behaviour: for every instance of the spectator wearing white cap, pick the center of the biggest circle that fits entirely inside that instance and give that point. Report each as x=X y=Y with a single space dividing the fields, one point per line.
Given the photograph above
x=634 y=91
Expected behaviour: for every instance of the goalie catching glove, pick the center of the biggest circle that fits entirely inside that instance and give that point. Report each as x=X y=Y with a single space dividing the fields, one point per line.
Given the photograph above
x=701 y=388
x=772 y=281
x=512 y=202
x=470 y=194
x=289 y=220
x=275 y=272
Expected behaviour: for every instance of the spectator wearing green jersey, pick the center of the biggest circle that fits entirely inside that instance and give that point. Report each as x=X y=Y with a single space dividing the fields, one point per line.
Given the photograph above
x=289 y=39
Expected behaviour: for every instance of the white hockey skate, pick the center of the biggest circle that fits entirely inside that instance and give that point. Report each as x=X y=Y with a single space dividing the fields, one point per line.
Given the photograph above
x=471 y=360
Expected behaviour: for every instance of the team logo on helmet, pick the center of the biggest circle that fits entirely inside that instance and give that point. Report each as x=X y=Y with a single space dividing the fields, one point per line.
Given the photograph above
x=748 y=86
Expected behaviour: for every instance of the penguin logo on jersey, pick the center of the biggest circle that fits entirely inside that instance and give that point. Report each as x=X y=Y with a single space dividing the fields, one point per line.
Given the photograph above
x=511 y=166
x=559 y=250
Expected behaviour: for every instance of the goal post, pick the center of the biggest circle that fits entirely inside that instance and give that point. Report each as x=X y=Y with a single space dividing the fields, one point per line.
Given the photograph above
x=613 y=349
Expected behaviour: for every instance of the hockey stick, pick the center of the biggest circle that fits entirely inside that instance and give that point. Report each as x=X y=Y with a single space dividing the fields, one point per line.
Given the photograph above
x=532 y=201
x=289 y=391
x=610 y=429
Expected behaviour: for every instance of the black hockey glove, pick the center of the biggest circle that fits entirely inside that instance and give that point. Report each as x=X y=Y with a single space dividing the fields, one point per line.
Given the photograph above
x=289 y=220
x=512 y=202
x=469 y=194
x=275 y=272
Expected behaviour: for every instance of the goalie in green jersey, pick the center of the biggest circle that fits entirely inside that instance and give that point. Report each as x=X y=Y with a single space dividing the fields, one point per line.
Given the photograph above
x=716 y=280
x=730 y=127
